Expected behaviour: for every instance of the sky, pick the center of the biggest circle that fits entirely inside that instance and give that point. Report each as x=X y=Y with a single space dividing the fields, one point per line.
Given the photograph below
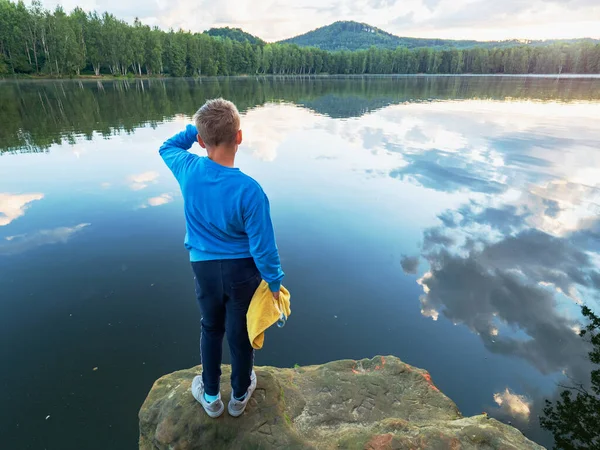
x=451 y=19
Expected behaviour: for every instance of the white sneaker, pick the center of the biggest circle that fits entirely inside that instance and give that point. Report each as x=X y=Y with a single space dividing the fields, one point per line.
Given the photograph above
x=237 y=407
x=213 y=409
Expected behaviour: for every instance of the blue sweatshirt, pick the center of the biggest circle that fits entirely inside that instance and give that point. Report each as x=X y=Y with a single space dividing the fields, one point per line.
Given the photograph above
x=227 y=214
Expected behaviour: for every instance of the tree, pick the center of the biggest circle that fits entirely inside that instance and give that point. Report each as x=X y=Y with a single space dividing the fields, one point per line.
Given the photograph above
x=125 y=55
x=194 y=57
x=456 y=61
x=79 y=23
x=257 y=59
x=138 y=45
x=423 y=56
x=208 y=62
x=111 y=42
x=13 y=39
x=266 y=60
x=64 y=53
x=227 y=63
x=221 y=63
x=175 y=53
x=34 y=24
x=94 y=39
x=153 y=49
x=575 y=420
x=481 y=61
x=252 y=57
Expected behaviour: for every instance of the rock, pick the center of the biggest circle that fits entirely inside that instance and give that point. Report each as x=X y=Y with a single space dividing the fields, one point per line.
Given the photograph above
x=374 y=404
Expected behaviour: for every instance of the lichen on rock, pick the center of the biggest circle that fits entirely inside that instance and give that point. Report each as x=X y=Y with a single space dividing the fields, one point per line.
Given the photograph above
x=380 y=403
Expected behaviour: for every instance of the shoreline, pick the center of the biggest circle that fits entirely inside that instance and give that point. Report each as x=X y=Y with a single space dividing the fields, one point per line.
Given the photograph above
x=291 y=76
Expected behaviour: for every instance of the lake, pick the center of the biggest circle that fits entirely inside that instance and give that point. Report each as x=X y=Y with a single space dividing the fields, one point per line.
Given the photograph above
x=450 y=221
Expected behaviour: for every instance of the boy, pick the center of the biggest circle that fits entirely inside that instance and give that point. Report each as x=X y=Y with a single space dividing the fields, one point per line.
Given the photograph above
x=231 y=242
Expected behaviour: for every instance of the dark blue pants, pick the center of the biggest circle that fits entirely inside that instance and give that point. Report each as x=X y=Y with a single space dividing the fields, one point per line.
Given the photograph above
x=224 y=289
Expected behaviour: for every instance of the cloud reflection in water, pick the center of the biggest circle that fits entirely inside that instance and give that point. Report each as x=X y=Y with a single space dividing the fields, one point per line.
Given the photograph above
x=13 y=206
x=514 y=262
x=24 y=242
x=159 y=200
x=513 y=405
x=143 y=180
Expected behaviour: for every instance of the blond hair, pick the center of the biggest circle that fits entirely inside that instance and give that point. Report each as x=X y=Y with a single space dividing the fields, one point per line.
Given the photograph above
x=218 y=122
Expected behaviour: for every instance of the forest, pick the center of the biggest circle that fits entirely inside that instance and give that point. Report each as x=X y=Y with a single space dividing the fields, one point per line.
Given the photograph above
x=38 y=42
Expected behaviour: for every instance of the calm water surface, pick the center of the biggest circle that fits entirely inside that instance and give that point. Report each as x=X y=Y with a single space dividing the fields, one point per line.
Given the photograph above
x=452 y=222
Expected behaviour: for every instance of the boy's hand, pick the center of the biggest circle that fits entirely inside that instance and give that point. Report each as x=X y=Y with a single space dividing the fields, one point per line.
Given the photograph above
x=276 y=295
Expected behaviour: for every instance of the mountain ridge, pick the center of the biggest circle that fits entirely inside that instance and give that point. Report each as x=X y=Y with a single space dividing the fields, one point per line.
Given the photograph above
x=351 y=35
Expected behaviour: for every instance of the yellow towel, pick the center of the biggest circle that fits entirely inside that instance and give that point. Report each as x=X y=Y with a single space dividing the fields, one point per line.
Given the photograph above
x=264 y=311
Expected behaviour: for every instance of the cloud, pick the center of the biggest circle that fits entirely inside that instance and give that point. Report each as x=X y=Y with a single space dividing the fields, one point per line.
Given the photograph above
x=377 y=4
x=405 y=19
x=160 y=200
x=25 y=242
x=514 y=405
x=489 y=20
x=431 y=4
x=410 y=264
x=13 y=206
x=143 y=180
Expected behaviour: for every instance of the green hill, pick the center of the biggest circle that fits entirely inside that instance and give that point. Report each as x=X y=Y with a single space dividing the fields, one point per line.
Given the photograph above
x=361 y=36
x=235 y=34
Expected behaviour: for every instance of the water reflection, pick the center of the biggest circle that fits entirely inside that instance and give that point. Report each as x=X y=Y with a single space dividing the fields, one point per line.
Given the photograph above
x=442 y=171
x=513 y=284
x=513 y=405
x=37 y=115
x=514 y=261
x=21 y=243
x=265 y=128
x=475 y=200
x=159 y=200
x=143 y=180
x=410 y=264
x=13 y=206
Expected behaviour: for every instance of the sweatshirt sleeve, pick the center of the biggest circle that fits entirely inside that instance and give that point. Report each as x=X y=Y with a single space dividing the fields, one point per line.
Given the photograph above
x=174 y=151
x=257 y=221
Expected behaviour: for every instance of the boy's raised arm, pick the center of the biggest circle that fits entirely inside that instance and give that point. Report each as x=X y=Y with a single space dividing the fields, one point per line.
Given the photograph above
x=174 y=151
